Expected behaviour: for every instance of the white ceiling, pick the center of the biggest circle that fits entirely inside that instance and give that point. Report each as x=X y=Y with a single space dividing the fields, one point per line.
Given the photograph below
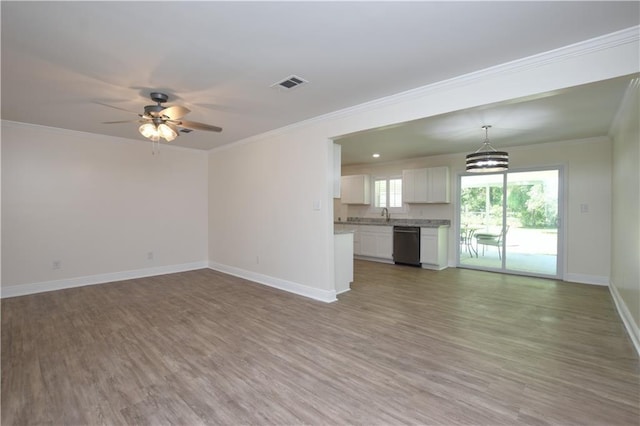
x=60 y=60
x=575 y=113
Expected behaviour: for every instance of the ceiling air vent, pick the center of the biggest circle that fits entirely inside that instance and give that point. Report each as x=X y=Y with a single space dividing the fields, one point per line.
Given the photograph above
x=289 y=83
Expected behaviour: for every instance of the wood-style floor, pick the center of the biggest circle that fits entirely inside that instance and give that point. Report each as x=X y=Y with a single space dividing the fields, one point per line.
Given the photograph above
x=404 y=346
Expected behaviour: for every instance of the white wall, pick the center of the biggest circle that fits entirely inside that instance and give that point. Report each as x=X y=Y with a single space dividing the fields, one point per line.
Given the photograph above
x=98 y=205
x=264 y=216
x=625 y=253
x=256 y=176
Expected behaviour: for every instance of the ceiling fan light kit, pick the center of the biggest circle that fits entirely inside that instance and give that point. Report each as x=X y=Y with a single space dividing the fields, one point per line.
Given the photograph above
x=154 y=132
x=486 y=159
x=160 y=122
x=168 y=131
x=149 y=131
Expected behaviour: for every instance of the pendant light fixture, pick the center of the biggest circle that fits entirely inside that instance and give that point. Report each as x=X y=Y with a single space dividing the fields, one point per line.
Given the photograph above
x=486 y=159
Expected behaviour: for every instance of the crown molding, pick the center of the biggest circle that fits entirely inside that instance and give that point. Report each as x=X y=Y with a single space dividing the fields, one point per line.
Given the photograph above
x=608 y=41
x=604 y=42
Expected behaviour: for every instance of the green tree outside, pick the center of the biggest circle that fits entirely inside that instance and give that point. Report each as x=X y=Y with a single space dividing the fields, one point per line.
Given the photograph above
x=529 y=204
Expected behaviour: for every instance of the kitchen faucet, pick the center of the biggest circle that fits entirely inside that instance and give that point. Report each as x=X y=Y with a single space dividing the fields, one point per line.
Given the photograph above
x=386 y=210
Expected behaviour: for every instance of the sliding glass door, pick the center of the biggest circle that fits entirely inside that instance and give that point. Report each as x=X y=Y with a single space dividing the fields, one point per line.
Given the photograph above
x=481 y=216
x=510 y=221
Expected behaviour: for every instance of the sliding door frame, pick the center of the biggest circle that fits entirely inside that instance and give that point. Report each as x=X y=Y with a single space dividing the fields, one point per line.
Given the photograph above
x=561 y=246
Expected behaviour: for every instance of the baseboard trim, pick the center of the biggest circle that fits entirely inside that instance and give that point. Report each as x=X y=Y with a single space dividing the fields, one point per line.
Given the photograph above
x=627 y=319
x=431 y=267
x=343 y=291
x=374 y=259
x=586 y=279
x=326 y=296
x=41 y=287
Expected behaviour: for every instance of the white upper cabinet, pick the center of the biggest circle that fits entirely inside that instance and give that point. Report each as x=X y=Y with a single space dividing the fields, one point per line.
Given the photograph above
x=355 y=189
x=438 y=185
x=414 y=186
x=430 y=185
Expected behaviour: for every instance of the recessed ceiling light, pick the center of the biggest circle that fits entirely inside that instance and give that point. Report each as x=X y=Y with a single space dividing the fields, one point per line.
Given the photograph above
x=376 y=155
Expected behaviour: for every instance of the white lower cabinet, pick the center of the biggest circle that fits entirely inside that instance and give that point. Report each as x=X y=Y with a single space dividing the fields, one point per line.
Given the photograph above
x=343 y=261
x=341 y=227
x=376 y=241
x=433 y=247
x=356 y=241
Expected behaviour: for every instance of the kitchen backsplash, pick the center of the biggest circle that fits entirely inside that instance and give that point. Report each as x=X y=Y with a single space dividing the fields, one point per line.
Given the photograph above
x=412 y=211
x=397 y=221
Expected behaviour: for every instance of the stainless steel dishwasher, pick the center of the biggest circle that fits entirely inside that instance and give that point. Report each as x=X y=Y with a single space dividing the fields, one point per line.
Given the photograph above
x=406 y=245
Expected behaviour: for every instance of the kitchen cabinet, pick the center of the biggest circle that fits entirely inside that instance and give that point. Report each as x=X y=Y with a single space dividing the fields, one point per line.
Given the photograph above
x=354 y=229
x=376 y=241
x=438 y=185
x=356 y=240
x=433 y=247
x=343 y=261
x=414 y=186
x=355 y=189
x=429 y=185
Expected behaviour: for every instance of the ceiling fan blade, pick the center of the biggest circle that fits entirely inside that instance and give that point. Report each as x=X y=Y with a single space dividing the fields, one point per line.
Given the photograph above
x=198 y=126
x=175 y=112
x=115 y=107
x=120 y=121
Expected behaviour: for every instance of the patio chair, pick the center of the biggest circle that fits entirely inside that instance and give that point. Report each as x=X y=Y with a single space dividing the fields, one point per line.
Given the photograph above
x=495 y=240
x=466 y=239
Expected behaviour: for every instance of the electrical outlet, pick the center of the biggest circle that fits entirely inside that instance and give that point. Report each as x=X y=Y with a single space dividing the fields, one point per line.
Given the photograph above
x=56 y=265
x=150 y=255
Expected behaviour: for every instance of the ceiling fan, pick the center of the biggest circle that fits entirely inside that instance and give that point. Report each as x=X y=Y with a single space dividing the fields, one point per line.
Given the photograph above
x=159 y=121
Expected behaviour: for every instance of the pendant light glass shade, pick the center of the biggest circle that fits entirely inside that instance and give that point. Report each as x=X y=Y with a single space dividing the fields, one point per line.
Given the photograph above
x=487 y=159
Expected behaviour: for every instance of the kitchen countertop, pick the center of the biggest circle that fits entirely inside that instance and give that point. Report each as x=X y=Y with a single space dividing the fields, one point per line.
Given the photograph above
x=423 y=223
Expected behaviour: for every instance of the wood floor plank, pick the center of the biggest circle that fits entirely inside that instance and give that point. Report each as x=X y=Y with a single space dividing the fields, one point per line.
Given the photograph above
x=404 y=346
